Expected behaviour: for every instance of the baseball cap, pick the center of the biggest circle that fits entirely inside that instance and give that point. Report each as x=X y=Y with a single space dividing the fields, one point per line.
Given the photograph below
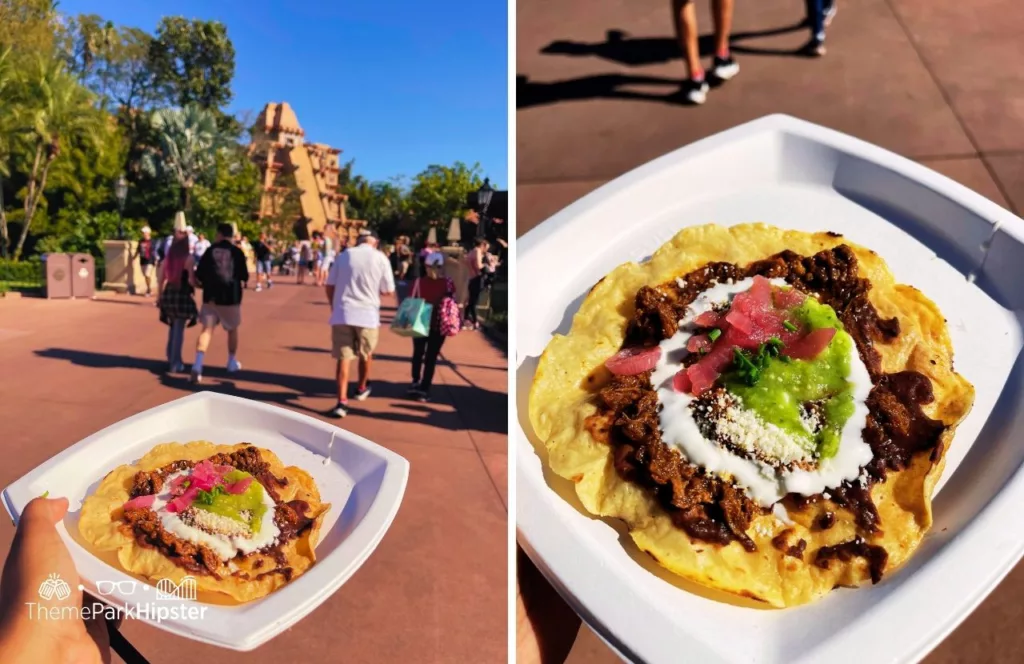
x=435 y=259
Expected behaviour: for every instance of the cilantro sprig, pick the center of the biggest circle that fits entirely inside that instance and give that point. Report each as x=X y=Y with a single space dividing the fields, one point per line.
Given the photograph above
x=207 y=497
x=750 y=366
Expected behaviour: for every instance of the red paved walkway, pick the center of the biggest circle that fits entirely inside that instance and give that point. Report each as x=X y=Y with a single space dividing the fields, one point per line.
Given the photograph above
x=435 y=590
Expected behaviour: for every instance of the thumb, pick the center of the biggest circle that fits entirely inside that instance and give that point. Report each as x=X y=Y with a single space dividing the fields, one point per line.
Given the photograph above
x=43 y=512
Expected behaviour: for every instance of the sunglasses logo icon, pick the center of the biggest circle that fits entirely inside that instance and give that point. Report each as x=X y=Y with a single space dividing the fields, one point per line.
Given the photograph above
x=108 y=587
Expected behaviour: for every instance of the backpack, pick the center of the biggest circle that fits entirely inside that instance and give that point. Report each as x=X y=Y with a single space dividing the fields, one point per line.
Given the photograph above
x=448 y=315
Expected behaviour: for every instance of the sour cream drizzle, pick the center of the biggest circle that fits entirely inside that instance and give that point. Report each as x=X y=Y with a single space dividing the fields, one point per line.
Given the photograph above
x=764 y=483
x=225 y=546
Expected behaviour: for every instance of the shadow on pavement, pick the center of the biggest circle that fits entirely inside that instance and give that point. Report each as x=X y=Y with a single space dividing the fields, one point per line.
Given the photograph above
x=618 y=47
x=477 y=408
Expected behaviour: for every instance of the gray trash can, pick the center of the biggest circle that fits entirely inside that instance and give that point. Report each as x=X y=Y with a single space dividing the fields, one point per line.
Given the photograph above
x=58 y=275
x=83 y=275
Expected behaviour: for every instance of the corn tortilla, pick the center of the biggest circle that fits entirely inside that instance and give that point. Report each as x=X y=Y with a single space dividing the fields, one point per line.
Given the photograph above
x=561 y=401
x=101 y=525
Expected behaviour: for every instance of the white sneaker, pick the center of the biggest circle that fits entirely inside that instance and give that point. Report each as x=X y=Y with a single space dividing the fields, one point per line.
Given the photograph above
x=234 y=365
x=696 y=93
x=259 y=288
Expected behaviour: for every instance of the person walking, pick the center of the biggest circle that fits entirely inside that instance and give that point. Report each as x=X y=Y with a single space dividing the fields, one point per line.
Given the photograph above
x=305 y=261
x=146 y=252
x=819 y=16
x=220 y=274
x=723 y=67
x=475 y=266
x=433 y=289
x=359 y=277
x=202 y=244
x=264 y=262
x=177 y=306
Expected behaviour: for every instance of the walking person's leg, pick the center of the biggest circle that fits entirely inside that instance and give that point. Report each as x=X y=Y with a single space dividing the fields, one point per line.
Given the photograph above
x=178 y=341
x=684 y=17
x=231 y=320
x=366 y=338
x=209 y=319
x=419 y=347
x=816 y=21
x=343 y=350
x=474 y=296
x=434 y=343
x=724 y=66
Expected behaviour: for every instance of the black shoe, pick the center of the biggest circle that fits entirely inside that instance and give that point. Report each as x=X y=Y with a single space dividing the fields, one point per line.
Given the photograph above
x=339 y=411
x=421 y=396
x=414 y=388
x=724 y=68
x=696 y=92
x=814 y=48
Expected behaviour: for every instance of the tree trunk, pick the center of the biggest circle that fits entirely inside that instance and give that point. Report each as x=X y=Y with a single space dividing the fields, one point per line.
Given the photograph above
x=32 y=202
x=5 y=240
x=186 y=199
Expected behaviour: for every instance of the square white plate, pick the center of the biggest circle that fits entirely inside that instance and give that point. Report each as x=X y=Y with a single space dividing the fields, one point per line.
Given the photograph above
x=363 y=482
x=961 y=250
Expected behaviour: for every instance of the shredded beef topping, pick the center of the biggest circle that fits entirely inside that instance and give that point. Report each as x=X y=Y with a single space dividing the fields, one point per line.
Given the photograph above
x=711 y=509
x=876 y=556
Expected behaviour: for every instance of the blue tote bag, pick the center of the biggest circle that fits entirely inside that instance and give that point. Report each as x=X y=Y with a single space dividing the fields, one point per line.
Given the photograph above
x=413 y=316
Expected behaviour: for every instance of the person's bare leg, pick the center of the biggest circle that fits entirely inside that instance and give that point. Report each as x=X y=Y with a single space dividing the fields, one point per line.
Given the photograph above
x=233 y=341
x=364 y=371
x=684 y=14
x=722 y=13
x=203 y=342
x=342 y=373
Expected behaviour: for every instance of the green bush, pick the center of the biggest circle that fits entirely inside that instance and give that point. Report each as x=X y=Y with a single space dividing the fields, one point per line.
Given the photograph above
x=30 y=271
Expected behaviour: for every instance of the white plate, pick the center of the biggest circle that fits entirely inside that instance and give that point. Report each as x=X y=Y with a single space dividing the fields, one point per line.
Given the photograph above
x=363 y=482
x=961 y=250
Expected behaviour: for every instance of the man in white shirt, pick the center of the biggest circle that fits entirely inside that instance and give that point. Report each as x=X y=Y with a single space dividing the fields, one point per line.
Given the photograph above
x=354 y=285
x=202 y=244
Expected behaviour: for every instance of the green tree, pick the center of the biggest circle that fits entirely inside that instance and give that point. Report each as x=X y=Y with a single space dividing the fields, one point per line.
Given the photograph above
x=57 y=110
x=189 y=141
x=193 y=61
x=439 y=193
x=28 y=26
x=230 y=193
x=8 y=126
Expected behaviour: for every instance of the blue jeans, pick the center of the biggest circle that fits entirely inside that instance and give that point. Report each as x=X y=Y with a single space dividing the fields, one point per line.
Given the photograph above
x=816 y=10
x=401 y=290
x=175 y=340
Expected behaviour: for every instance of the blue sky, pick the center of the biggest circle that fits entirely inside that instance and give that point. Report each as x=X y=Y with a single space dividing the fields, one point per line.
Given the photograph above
x=396 y=84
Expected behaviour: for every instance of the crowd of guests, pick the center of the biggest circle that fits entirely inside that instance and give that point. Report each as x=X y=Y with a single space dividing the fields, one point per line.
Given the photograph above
x=354 y=277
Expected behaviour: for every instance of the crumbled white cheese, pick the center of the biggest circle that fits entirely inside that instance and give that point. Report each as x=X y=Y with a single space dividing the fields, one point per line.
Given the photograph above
x=680 y=282
x=747 y=431
x=217 y=524
x=810 y=420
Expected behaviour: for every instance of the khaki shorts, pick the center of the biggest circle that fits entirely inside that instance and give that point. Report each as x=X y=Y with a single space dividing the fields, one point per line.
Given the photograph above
x=348 y=342
x=228 y=316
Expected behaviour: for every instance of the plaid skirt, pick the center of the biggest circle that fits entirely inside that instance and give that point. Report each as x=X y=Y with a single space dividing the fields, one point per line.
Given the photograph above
x=177 y=303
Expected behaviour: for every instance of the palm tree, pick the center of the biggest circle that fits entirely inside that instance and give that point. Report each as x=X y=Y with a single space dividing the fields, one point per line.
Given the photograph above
x=57 y=109
x=188 y=143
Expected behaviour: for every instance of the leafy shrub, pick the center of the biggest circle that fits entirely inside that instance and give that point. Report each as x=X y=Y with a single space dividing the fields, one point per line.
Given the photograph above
x=29 y=271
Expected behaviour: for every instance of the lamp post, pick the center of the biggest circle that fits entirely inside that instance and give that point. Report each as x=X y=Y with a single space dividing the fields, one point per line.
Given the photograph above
x=483 y=201
x=120 y=192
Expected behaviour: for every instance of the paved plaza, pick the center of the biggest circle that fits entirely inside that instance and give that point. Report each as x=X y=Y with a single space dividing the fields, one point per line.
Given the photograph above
x=434 y=591
x=934 y=80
